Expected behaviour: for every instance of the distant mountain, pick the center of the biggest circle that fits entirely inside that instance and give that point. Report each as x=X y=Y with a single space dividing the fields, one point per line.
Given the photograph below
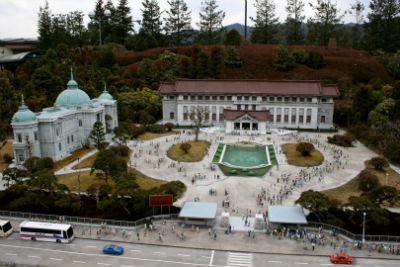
x=239 y=27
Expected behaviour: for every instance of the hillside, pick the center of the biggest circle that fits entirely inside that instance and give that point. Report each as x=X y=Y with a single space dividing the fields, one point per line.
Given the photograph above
x=344 y=66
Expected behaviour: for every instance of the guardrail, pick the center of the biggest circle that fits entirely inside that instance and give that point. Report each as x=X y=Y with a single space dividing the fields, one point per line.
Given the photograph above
x=84 y=220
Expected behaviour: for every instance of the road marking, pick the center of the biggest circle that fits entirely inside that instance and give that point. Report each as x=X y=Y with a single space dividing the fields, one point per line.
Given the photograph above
x=135 y=250
x=101 y=263
x=34 y=257
x=79 y=261
x=108 y=256
x=127 y=266
x=11 y=254
x=211 y=258
x=275 y=261
x=240 y=259
x=55 y=259
x=91 y=246
x=183 y=255
x=301 y=263
x=327 y=264
x=158 y=252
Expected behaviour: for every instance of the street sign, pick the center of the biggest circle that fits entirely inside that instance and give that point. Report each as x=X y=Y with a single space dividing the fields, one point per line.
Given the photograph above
x=160 y=200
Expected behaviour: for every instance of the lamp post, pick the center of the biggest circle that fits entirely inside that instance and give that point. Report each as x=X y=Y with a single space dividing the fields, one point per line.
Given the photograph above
x=245 y=19
x=363 y=233
x=99 y=20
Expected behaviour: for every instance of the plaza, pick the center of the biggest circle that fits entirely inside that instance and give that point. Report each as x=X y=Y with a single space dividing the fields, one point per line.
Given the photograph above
x=281 y=185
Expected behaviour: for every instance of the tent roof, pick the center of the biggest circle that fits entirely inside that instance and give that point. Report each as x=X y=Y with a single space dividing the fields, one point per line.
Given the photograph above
x=290 y=215
x=199 y=210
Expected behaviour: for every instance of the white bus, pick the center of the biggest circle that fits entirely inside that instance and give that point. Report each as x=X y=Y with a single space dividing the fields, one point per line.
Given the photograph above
x=56 y=232
x=5 y=228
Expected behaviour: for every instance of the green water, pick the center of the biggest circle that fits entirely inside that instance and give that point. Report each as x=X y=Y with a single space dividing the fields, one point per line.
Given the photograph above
x=245 y=156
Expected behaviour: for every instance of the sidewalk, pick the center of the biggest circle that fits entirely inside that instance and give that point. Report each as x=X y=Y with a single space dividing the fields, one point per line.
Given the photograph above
x=200 y=239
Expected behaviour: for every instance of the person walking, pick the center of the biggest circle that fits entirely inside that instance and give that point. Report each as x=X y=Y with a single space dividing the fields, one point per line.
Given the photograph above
x=138 y=236
x=313 y=245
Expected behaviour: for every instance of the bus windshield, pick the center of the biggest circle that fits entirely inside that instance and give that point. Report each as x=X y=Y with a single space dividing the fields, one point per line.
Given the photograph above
x=70 y=232
x=6 y=227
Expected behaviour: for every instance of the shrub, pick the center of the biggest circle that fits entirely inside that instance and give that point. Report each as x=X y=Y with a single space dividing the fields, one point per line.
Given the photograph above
x=232 y=38
x=378 y=163
x=46 y=163
x=392 y=152
x=232 y=58
x=283 y=61
x=305 y=148
x=155 y=128
x=367 y=181
x=315 y=60
x=185 y=147
x=120 y=150
x=299 y=55
x=345 y=140
x=169 y=126
x=32 y=164
x=137 y=130
x=7 y=158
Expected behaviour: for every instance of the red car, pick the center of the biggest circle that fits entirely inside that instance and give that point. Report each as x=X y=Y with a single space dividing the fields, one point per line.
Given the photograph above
x=341 y=258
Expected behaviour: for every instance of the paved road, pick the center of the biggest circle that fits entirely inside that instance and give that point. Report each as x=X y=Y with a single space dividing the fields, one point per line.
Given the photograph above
x=84 y=252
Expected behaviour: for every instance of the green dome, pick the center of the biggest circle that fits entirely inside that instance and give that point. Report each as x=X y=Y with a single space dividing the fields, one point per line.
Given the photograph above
x=72 y=96
x=23 y=114
x=106 y=95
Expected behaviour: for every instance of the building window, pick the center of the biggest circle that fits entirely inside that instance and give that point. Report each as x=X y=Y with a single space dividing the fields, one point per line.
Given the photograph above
x=35 y=136
x=254 y=107
x=72 y=138
x=246 y=107
x=264 y=98
x=294 y=99
x=68 y=140
x=214 y=117
x=322 y=119
x=59 y=146
x=286 y=118
x=301 y=99
x=239 y=97
x=58 y=131
x=19 y=136
x=278 y=118
x=323 y=100
x=308 y=119
x=239 y=107
x=171 y=97
x=171 y=115
x=207 y=97
x=279 y=98
x=185 y=97
x=185 y=116
x=215 y=97
x=200 y=97
x=301 y=120
x=293 y=119
x=271 y=98
x=80 y=123
x=309 y=99
x=229 y=98
x=254 y=98
x=207 y=116
x=287 y=99
x=98 y=117
x=246 y=98
x=222 y=97
x=192 y=97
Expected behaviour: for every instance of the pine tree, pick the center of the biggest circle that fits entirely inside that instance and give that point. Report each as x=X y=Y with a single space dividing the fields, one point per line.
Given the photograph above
x=283 y=61
x=266 y=28
x=325 y=23
x=151 y=18
x=184 y=67
x=177 y=25
x=210 y=22
x=232 y=38
x=383 y=26
x=232 y=58
x=216 y=62
x=357 y=34
x=203 y=65
x=108 y=24
x=123 y=21
x=45 y=27
x=294 y=20
x=97 y=135
x=196 y=50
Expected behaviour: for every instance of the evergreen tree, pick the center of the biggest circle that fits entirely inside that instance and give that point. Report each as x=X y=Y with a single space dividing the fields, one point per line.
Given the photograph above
x=177 y=24
x=123 y=22
x=216 y=62
x=265 y=29
x=210 y=22
x=184 y=67
x=325 y=23
x=108 y=24
x=45 y=27
x=196 y=50
x=97 y=135
x=357 y=33
x=232 y=38
x=294 y=20
x=147 y=72
x=283 y=61
x=232 y=58
x=203 y=65
x=151 y=18
x=383 y=26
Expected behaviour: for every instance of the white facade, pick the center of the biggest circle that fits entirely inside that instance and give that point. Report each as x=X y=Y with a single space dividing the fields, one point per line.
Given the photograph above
x=303 y=110
x=57 y=131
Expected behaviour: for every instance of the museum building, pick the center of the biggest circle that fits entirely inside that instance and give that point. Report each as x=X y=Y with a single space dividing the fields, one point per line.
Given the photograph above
x=253 y=106
x=57 y=131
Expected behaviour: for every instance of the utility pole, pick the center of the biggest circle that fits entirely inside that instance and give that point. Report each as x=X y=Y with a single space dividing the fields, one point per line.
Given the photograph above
x=245 y=19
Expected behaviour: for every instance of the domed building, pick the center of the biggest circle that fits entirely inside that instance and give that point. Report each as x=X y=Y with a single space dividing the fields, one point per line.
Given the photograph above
x=57 y=131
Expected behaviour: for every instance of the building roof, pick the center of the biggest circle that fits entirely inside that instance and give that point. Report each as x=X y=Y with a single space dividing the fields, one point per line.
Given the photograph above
x=199 y=210
x=24 y=114
x=289 y=215
x=106 y=95
x=20 y=57
x=52 y=113
x=72 y=96
x=248 y=87
x=260 y=115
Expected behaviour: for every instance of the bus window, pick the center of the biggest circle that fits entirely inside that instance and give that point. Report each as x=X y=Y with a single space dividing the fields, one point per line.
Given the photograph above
x=64 y=234
x=70 y=232
x=7 y=227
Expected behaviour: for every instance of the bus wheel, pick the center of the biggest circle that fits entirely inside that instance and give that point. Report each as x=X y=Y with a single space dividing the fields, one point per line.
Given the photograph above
x=33 y=239
x=58 y=241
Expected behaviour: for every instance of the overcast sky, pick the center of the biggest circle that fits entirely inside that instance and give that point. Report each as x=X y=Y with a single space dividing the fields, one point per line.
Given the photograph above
x=18 y=18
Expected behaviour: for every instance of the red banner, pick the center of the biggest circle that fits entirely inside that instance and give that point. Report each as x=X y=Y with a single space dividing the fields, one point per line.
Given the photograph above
x=160 y=200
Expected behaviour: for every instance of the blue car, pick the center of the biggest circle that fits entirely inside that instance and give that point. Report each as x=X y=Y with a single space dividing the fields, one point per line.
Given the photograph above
x=113 y=249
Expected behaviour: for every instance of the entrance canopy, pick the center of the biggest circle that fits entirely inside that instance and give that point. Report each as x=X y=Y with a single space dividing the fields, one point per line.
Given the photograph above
x=199 y=210
x=234 y=115
x=286 y=215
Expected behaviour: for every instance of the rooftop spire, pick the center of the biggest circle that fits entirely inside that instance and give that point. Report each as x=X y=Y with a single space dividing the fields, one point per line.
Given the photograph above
x=22 y=100
x=105 y=87
x=72 y=74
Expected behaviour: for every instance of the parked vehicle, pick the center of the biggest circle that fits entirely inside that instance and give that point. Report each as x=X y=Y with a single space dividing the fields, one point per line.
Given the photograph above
x=42 y=231
x=5 y=228
x=341 y=258
x=113 y=249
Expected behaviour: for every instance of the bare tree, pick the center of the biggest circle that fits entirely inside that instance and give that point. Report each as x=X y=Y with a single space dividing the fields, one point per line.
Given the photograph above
x=198 y=116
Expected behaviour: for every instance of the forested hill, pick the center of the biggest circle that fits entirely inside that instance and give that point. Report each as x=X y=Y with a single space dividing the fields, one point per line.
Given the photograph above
x=343 y=66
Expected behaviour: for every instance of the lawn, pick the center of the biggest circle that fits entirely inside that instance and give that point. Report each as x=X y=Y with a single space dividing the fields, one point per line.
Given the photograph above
x=145 y=182
x=7 y=149
x=86 y=163
x=149 y=136
x=196 y=152
x=295 y=158
x=344 y=192
x=75 y=155
x=257 y=172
